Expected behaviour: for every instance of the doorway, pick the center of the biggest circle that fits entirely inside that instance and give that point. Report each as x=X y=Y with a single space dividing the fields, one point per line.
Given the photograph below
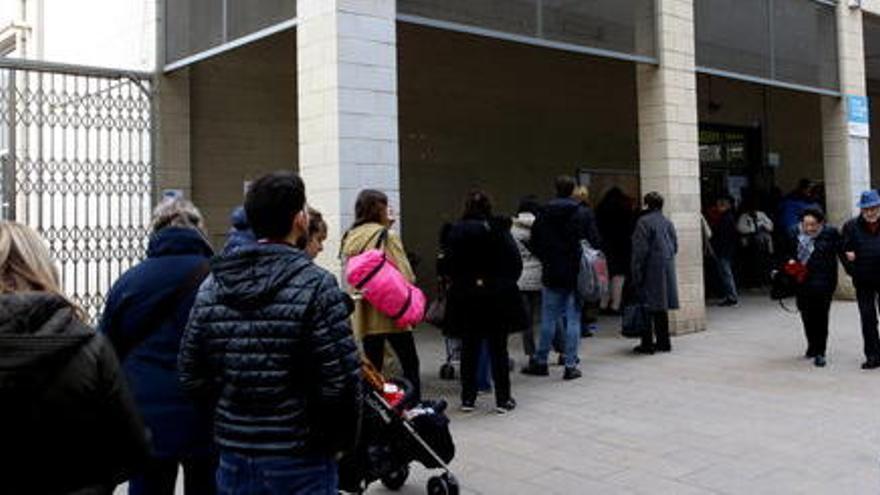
x=730 y=161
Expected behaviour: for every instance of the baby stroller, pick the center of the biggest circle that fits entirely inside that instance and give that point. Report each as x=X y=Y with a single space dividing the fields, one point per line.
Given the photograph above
x=394 y=433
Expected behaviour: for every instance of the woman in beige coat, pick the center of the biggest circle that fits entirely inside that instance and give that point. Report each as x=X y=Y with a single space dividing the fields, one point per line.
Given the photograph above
x=372 y=217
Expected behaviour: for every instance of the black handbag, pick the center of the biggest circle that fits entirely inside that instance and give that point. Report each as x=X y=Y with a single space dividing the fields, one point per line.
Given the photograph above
x=635 y=321
x=782 y=285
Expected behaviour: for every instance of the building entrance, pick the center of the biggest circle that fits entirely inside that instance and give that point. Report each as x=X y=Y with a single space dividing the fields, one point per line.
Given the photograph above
x=730 y=161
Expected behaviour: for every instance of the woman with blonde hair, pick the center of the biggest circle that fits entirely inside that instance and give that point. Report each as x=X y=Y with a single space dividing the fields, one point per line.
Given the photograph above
x=145 y=317
x=67 y=421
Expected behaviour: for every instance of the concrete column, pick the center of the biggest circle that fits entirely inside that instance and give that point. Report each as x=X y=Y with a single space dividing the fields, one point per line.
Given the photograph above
x=846 y=153
x=669 y=151
x=171 y=121
x=347 y=83
x=847 y=162
x=172 y=127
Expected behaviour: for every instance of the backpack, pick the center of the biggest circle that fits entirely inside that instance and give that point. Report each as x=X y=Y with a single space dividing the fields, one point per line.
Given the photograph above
x=592 y=281
x=376 y=278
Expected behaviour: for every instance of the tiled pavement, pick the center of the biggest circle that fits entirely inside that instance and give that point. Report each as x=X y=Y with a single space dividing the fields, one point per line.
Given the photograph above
x=734 y=410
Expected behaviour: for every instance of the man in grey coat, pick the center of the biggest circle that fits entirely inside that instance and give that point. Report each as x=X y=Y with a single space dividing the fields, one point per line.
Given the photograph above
x=655 y=245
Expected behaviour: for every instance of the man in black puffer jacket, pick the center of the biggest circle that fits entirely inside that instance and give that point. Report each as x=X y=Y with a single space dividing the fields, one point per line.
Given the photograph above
x=269 y=342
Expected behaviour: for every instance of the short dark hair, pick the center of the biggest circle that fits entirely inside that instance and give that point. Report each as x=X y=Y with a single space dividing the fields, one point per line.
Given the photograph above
x=654 y=201
x=368 y=207
x=565 y=185
x=477 y=204
x=272 y=202
x=814 y=212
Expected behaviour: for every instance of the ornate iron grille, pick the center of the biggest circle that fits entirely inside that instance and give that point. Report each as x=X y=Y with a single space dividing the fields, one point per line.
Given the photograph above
x=76 y=152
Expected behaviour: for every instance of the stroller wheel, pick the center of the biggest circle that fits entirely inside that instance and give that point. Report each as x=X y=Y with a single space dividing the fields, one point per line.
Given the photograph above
x=447 y=372
x=445 y=484
x=396 y=479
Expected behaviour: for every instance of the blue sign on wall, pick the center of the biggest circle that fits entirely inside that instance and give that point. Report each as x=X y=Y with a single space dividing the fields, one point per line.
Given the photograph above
x=858 y=116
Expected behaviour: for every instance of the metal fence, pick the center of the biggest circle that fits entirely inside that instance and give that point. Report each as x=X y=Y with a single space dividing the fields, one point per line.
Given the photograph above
x=77 y=165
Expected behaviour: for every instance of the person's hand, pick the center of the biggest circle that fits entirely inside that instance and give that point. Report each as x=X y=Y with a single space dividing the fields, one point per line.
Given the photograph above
x=851 y=256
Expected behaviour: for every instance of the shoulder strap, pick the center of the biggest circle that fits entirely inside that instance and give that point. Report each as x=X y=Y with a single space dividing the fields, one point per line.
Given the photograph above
x=383 y=238
x=166 y=310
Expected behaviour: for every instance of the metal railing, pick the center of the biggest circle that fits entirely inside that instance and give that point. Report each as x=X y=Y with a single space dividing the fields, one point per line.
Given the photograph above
x=76 y=148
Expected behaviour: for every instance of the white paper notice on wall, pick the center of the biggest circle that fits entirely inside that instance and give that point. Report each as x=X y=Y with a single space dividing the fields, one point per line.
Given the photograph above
x=857 y=116
x=859 y=169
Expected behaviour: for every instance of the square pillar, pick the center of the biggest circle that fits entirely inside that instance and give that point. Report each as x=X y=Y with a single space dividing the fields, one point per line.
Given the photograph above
x=171 y=120
x=669 y=150
x=347 y=85
x=173 y=160
x=847 y=161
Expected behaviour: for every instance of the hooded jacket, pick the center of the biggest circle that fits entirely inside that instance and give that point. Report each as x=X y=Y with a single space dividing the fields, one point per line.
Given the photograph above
x=556 y=237
x=141 y=297
x=269 y=345
x=240 y=233
x=367 y=320
x=530 y=280
x=67 y=421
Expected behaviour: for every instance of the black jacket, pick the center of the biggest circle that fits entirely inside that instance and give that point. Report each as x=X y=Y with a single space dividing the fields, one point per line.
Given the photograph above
x=270 y=344
x=556 y=237
x=484 y=265
x=67 y=421
x=616 y=223
x=822 y=266
x=725 y=237
x=865 y=270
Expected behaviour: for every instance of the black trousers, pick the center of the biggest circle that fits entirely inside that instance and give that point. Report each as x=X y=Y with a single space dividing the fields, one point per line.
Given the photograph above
x=814 y=313
x=658 y=327
x=160 y=477
x=404 y=346
x=470 y=355
x=867 y=299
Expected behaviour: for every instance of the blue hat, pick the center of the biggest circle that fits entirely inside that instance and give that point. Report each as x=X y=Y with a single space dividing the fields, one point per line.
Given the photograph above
x=869 y=199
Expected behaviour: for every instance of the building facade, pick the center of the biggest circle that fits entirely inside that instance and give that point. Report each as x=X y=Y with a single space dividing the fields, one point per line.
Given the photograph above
x=425 y=99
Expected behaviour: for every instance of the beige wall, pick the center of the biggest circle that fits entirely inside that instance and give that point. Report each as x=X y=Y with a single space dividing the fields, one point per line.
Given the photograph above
x=505 y=117
x=792 y=120
x=243 y=108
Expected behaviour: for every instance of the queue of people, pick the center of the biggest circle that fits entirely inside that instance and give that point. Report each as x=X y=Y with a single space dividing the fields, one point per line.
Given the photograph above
x=244 y=368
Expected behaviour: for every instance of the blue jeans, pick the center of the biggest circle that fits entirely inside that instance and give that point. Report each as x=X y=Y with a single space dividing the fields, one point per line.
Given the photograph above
x=559 y=305
x=244 y=475
x=484 y=368
x=728 y=282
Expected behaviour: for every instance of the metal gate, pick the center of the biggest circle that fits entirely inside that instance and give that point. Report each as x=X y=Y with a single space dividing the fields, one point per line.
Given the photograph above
x=77 y=165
